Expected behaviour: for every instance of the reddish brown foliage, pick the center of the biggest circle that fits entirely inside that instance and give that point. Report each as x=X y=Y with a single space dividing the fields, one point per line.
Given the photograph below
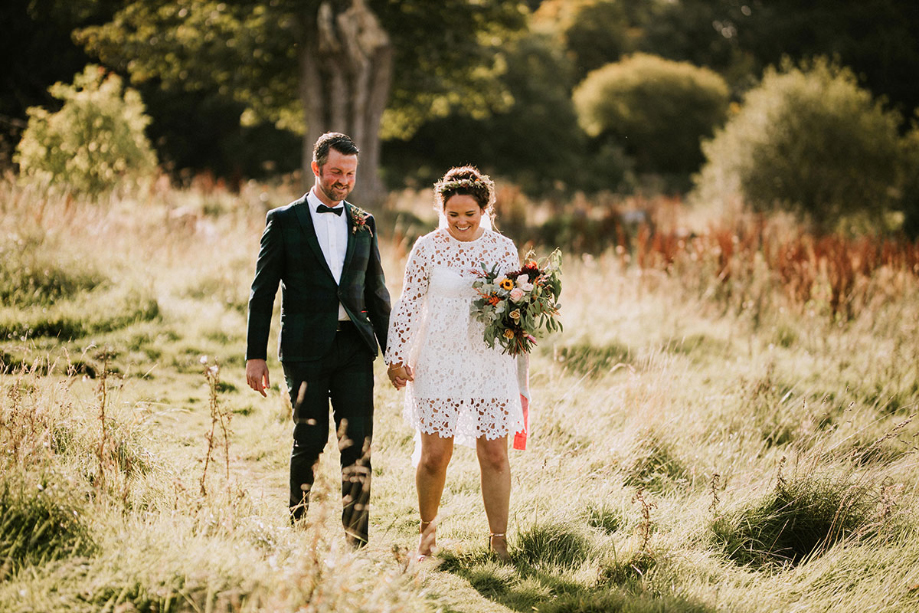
x=836 y=270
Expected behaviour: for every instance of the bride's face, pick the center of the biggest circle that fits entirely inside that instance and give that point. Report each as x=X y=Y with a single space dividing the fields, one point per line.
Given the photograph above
x=463 y=215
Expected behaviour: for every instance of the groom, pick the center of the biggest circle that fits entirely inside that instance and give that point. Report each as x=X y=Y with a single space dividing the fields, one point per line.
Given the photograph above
x=323 y=252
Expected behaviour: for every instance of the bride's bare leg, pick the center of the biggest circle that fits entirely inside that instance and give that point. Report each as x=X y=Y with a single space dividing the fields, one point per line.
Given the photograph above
x=496 y=490
x=430 y=477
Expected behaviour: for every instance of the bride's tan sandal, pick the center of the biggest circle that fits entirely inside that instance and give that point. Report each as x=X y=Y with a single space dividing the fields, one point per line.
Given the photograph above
x=500 y=552
x=427 y=542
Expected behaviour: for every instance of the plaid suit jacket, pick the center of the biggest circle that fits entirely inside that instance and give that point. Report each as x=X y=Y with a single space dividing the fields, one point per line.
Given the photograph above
x=290 y=256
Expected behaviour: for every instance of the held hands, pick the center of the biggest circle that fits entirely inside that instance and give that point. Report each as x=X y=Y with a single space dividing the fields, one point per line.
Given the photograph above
x=257 y=375
x=399 y=375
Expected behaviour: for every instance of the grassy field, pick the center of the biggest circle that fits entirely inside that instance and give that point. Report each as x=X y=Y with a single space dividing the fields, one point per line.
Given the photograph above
x=727 y=423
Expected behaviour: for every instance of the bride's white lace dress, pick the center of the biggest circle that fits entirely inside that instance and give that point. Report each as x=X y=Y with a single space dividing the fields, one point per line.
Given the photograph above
x=462 y=388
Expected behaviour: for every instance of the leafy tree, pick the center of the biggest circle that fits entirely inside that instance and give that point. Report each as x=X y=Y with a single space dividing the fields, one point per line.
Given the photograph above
x=658 y=110
x=911 y=181
x=30 y=37
x=200 y=131
x=593 y=32
x=535 y=142
x=191 y=131
x=95 y=141
x=320 y=65
x=704 y=32
x=876 y=38
x=811 y=141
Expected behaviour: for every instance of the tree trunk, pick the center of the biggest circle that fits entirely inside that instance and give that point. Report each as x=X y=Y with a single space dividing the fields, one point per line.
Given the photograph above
x=345 y=77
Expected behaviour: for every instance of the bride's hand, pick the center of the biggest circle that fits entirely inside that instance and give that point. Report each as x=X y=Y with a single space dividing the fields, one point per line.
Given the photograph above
x=399 y=375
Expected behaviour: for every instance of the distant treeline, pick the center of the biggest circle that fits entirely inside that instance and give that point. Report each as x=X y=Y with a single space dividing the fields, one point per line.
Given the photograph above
x=489 y=82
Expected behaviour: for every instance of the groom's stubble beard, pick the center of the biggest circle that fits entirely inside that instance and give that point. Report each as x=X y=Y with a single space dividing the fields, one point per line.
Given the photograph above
x=330 y=190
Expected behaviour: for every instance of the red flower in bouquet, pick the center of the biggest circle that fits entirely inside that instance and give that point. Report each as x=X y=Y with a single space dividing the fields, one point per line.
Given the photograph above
x=517 y=306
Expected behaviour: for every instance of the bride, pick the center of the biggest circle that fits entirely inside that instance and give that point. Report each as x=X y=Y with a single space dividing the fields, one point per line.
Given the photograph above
x=457 y=388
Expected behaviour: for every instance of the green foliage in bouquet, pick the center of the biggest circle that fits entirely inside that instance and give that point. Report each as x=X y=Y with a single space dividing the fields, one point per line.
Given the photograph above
x=517 y=306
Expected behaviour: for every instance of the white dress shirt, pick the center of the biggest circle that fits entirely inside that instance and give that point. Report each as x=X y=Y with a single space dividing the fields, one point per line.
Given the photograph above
x=332 y=232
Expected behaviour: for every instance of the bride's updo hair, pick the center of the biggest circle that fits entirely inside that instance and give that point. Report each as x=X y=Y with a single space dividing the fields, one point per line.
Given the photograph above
x=465 y=181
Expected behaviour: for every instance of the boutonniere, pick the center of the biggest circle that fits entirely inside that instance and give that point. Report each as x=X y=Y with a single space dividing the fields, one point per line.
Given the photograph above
x=359 y=219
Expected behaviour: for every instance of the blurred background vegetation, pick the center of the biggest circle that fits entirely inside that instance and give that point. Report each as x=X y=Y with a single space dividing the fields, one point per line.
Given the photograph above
x=730 y=412
x=767 y=103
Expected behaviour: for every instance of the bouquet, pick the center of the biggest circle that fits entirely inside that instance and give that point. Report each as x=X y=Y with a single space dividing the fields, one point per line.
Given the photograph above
x=516 y=306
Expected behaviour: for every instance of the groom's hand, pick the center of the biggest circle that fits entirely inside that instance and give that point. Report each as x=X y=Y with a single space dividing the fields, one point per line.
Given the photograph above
x=257 y=375
x=399 y=375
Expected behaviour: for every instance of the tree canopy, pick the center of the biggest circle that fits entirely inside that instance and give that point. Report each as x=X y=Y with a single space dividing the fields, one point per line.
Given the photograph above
x=283 y=58
x=875 y=38
x=243 y=87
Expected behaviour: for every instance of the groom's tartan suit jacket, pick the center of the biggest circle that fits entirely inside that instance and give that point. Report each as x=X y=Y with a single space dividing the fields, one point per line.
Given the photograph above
x=290 y=255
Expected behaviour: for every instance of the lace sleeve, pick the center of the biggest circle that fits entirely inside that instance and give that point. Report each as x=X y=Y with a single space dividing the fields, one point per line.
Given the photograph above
x=404 y=321
x=508 y=258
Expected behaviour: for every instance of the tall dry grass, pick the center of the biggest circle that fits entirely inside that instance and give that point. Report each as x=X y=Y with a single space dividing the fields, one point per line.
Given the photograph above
x=759 y=263
x=701 y=440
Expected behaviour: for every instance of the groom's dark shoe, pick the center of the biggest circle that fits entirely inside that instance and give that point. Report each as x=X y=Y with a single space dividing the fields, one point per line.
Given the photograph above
x=355 y=513
x=298 y=511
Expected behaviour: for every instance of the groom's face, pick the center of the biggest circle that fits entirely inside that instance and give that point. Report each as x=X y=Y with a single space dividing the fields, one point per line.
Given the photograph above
x=335 y=178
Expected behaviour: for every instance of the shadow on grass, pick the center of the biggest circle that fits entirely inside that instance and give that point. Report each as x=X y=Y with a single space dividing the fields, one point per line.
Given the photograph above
x=798 y=520
x=553 y=571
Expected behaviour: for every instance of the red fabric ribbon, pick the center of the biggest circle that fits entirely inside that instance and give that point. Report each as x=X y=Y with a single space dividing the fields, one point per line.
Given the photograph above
x=523 y=382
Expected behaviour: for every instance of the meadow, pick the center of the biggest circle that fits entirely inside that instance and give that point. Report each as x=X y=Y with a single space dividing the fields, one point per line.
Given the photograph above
x=727 y=422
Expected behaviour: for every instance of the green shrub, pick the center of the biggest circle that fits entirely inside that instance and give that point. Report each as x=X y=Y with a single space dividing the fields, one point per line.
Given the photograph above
x=220 y=285
x=657 y=109
x=811 y=141
x=797 y=520
x=95 y=140
x=553 y=544
x=535 y=142
x=698 y=346
x=628 y=570
x=605 y=518
x=580 y=233
x=37 y=527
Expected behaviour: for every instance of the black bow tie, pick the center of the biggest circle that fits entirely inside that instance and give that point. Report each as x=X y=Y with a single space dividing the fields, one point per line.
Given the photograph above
x=325 y=209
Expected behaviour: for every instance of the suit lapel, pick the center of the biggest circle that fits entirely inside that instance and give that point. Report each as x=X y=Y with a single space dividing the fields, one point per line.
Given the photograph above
x=352 y=237
x=306 y=225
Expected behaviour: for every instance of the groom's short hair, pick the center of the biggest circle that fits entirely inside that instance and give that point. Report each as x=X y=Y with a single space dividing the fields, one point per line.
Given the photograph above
x=341 y=143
